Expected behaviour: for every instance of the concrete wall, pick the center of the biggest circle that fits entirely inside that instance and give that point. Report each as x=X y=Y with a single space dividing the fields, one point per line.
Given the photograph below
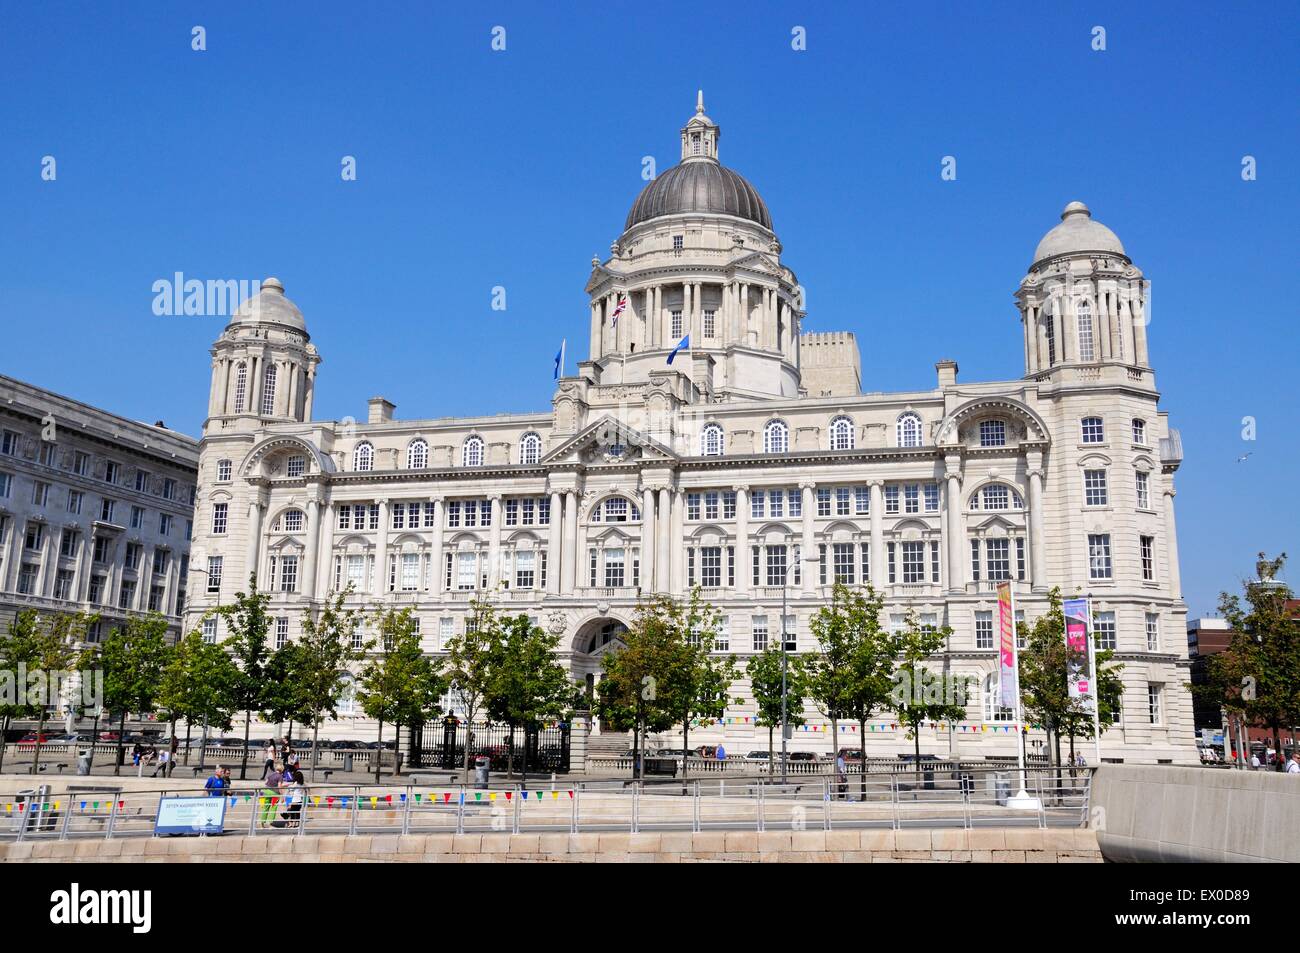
x=1172 y=814
x=961 y=846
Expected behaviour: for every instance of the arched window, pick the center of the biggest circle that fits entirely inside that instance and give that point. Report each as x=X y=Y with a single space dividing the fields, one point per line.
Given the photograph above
x=776 y=437
x=241 y=386
x=1083 y=316
x=1093 y=430
x=417 y=455
x=909 y=430
x=290 y=521
x=268 y=391
x=616 y=509
x=841 y=434
x=997 y=496
x=530 y=448
x=993 y=711
x=711 y=440
x=363 y=457
x=471 y=454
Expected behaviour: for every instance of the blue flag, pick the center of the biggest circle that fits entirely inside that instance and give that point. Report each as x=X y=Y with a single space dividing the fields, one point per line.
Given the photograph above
x=559 y=359
x=684 y=342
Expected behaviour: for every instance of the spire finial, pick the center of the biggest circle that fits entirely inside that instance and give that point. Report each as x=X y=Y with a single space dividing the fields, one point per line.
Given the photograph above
x=699 y=102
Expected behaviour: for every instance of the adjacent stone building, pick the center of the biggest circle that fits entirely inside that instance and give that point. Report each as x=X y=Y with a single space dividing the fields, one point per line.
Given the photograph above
x=95 y=510
x=709 y=442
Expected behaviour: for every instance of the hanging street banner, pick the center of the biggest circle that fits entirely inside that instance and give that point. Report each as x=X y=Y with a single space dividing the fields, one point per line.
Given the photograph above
x=1079 y=646
x=1007 y=646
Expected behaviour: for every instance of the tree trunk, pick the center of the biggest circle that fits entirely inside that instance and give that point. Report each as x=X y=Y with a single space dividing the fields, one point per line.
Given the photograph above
x=379 y=753
x=121 y=741
x=636 y=748
x=524 y=771
x=187 y=742
x=686 y=746
x=862 y=758
x=1277 y=747
x=510 y=752
x=315 y=747
x=771 y=756
x=40 y=732
x=243 y=762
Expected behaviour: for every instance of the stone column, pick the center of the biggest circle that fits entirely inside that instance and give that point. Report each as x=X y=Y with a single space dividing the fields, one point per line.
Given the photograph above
x=311 y=554
x=554 y=544
x=494 y=543
x=1037 y=552
x=570 y=542
x=436 y=546
x=743 y=568
x=595 y=330
x=1140 y=356
x=879 y=571
x=81 y=572
x=1171 y=543
x=45 y=575
x=381 y=551
x=252 y=557
x=677 y=525
x=742 y=335
x=664 y=523
x=698 y=322
x=311 y=392
x=648 y=540
x=324 y=542
x=808 y=540
x=953 y=526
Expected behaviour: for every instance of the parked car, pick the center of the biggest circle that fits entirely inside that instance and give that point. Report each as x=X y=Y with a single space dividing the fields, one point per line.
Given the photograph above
x=802 y=756
x=761 y=756
x=851 y=755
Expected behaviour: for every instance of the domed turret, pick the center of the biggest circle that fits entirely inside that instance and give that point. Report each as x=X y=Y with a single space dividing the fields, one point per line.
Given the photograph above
x=270 y=306
x=1077 y=233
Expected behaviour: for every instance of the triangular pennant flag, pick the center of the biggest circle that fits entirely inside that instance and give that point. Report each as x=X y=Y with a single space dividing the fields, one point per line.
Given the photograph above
x=555 y=795
x=508 y=793
x=418 y=797
x=570 y=794
x=492 y=796
x=478 y=795
x=446 y=797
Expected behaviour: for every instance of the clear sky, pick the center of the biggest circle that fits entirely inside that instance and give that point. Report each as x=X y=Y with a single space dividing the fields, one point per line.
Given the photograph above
x=478 y=168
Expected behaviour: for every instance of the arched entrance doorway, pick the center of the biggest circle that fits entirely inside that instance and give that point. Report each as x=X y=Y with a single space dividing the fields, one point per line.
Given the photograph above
x=594 y=640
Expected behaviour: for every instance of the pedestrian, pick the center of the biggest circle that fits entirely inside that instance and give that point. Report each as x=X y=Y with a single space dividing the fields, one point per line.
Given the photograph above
x=268 y=759
x=270 y=794
x=841 y=775
x=294 y=792
x=164 y=757
x=216 y=785
x=1293 y=766
x=721 y=753
x=1254 y=761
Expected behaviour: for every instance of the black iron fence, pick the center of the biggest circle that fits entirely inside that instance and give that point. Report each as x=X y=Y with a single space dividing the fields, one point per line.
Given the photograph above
x=536 y=747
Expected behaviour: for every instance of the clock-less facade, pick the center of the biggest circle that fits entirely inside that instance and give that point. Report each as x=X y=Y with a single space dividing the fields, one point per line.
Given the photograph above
x=751 y=460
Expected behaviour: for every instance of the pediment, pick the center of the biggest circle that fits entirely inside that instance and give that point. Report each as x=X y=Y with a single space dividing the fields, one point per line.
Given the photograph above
x=608 y=440
x=758 y=262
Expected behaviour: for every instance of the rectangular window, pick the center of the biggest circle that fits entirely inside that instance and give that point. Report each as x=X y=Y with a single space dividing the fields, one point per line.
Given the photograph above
x=512 y=512
x=111 y=471
x=842 y=562
x=983 y=630
x=1147 y=550
x=758 y=627
x=893 y=571
x=1093 y=430
x=754 y=553
x=295 y=467
x=281 y=632
x=159 y=561
x=525 y=569
x=1103 y=630
x=106 y=511
x=932 y=498
x=934 y=560
x=219 y=518
x=137 y=517
x=81 y=464
x=728 y=504
x=40 y=493
x=1143 y=484
x=410 y=572
x=913 y=562
x=711 y=567
x=126 y=595
x=289 y=574
x=1153 y=632
x=214 y=573
x=27 y=578
x=98 y=587
x=453 y=514
x=796 y=502
x=10 y=442
x=398 y=517
x=776 y=503
x=1139 y=431
x=677 y=325
x=997 y=555
x=891 y=500
x=155 y=598
x=722 y=638
x=1153 y=703
x=466 y=570
x=911 y=498
x=823 y=501
x=709 y=323
x=6 y=485
x=993 y=433
x=776 y=563
x=68 y=543
x=210 y=631
x=74 y=501
x=165 y=526
x=843 y=495
x=169 y=489
x=692 y=506
x=614 y=567
x=862 y=501
x=711 y=505
x=1094 y=488
x=1020 y=559
x=864 y=553
x=975 y=560
x=103 y=551
x=1099 y=566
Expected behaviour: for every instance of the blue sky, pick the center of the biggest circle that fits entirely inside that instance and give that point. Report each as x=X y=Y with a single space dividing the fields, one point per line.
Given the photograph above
x=479 y=168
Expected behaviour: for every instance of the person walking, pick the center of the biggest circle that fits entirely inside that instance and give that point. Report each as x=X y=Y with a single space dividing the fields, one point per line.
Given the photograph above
x=268 y=759
x=295 y=791
x=841 y=775
x=164 y=757
x=216 y=785
x=721 y=753
x=1254 y=761
x=1293 y=765
x=270 y=794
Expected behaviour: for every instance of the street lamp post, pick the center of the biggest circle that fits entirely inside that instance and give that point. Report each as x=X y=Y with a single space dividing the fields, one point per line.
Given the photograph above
x=785 y=575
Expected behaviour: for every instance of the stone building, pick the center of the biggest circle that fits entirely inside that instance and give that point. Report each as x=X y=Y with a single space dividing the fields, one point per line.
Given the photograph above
x=95 y=510
x=745 y=459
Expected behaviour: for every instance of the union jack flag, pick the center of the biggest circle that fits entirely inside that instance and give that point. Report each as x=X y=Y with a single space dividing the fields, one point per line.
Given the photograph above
x=618 y=309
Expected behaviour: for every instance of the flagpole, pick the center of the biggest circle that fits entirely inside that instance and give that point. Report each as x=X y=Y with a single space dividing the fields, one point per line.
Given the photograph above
x=1022 y=800
x=1096 y=687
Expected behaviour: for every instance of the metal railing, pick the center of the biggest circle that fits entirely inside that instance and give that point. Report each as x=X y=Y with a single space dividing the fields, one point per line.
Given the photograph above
x=924 y=799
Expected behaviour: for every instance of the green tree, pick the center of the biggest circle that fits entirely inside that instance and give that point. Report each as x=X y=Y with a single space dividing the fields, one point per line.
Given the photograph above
x=56 y=650
x=281 y=702
x=1259 y=673
x=399 y=684
x=199 y=684
x=248 y=624
x=18 y=651
x=528 y=684
x=325 y=651
x=918 y=694
x=134 y=656
x=1044 y=682
x=628 y=696
x=764 y=671
x=470 y=665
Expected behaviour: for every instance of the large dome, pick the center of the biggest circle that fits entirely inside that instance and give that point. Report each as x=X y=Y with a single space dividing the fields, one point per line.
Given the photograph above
x=270 y=306
x=1076 y=234
x=699 y=186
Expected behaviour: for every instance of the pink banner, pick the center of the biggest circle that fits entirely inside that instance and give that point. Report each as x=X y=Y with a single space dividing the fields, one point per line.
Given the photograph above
x=1007 y=646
